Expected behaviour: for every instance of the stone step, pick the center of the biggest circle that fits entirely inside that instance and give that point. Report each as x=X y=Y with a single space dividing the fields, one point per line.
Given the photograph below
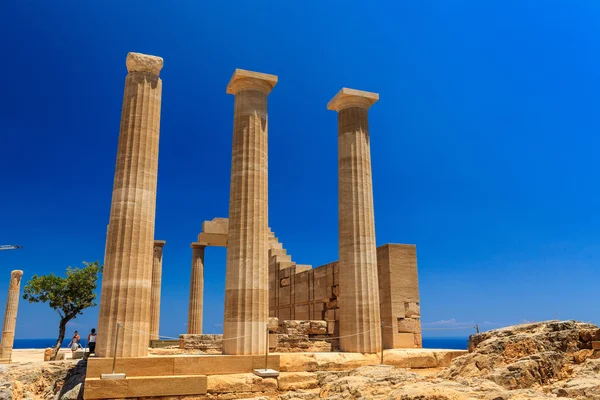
x=180 y=365
x=282 y=258
x=277 y=252
x=285 y=264
x=145 y=386
x=275 y=245
x=302 y=267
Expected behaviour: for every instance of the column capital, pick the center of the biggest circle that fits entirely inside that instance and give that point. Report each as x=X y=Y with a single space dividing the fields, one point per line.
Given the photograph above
x=352 y=98
x=138 y=62
x=249 y=80
x=15 y=278
x=159 y=243
x=197 y=245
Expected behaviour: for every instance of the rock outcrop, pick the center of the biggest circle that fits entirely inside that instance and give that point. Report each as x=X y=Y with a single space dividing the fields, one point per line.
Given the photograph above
x=57 y=380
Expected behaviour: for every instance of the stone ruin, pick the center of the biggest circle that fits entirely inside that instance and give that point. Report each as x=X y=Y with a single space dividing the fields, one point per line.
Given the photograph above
x=366 y=301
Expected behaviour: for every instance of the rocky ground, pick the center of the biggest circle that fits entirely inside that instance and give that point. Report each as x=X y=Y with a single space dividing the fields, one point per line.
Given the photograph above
x=546 y=360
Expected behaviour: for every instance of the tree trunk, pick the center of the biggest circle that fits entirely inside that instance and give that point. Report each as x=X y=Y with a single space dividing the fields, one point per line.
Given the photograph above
x=62 y=327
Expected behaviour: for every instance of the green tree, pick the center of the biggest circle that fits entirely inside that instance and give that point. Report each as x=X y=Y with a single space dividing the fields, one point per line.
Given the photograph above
x=68 y=296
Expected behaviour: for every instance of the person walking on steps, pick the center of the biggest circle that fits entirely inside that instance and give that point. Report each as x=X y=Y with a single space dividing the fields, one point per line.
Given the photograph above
x=92 y=341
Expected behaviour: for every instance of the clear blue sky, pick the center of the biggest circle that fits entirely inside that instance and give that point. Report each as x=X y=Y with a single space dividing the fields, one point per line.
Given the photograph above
x=484 y=142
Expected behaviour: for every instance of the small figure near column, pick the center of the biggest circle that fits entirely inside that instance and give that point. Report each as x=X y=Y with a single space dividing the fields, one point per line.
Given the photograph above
x=10 y=316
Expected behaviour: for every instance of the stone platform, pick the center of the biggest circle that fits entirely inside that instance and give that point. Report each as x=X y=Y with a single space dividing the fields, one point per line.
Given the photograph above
x=185 y=375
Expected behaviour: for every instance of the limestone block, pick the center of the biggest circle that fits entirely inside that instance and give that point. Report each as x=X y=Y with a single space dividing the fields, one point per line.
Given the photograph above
x=412 y=309
x=404 y=340
x=78 y=354
x=273 y=324
x=218 y=226
x=409 y=325
x=137 y=62
x=297 y=381
x=47 y=354
x=273 y=340
x=212 y=344
x=317 y=328
x=147 y=386
x=212 y=239
x=236 y=383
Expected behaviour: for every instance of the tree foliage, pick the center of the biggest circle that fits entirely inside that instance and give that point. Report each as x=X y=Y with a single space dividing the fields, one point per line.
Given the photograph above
x=68 y=296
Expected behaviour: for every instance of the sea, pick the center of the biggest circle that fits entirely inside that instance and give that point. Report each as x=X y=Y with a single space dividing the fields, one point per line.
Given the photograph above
x=454 y=343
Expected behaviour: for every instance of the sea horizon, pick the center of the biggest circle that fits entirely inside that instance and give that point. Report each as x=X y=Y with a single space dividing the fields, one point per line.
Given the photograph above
x=452 y=343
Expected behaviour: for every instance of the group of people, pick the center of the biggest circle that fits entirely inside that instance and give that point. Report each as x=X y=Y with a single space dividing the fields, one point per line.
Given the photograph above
x=75 y=343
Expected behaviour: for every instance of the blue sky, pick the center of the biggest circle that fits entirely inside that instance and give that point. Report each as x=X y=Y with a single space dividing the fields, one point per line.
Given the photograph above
x=484 y=142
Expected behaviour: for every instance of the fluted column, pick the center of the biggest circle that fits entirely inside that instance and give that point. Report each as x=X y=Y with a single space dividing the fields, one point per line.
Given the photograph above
x=360 y=323
x=196 y=289
x=155 y=293
x=127 y=277
x=247 y=285
x=10 y=316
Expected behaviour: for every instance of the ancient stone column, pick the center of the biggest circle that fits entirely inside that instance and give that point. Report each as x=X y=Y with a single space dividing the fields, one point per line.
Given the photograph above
x=155 y=293
x=360 y=323
x=247 y=285
x=10 y=316
x=196 y=290
x=127 y=277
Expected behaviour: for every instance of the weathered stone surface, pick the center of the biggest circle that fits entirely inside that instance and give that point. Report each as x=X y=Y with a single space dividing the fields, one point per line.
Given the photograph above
x=127 y=275
x=360 y=321
x=247 y=275
x=236 y=383
x=10 y=316
x=56 y=380
x=530 y=355
x=207 y=343
x=273 y=324
x=297 y=380
x=47 y=354
x=196 y=304
x=156 y=286
x=137 y=62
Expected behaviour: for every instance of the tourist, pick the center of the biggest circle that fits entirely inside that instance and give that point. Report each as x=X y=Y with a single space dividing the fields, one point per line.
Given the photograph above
x=92 y=341
x=74 y=343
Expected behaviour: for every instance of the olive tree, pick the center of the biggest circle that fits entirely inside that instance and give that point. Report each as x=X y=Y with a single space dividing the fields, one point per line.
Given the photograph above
x=68 y=296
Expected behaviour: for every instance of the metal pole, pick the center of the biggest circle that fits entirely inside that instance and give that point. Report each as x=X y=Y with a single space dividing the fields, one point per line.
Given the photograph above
x=115 y=351
x=476 y=328
x=381 y=342
x=267 y=349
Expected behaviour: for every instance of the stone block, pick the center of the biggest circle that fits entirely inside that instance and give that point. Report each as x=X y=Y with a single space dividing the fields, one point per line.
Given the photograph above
x=297 y=381
x=47 y=354
x=409 y=325
x=412 y=309
x=207 y=343
x=273 y=324
x=273 y=340
x=209 y=239
x=596 y=345
x=239 y=383
x=78 y=354
x=404 y=340
x=147 y=386
x=317 y=328
x=219 y=226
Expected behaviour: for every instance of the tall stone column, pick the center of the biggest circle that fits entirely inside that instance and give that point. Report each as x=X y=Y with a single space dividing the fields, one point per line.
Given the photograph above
x=247 y=282
x=360 y=323
x=10 y=316
x=155 y=293
x=196 y=290
x=127 y=277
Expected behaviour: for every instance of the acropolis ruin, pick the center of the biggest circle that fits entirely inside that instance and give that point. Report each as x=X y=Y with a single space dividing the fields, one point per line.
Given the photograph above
x=365 y=302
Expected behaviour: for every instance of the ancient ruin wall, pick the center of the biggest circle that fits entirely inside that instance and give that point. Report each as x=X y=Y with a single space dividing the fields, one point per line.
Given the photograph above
x=312 y=294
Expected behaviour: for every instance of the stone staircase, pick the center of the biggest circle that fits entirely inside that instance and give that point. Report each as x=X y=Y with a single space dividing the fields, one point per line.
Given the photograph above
x=279 y=258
